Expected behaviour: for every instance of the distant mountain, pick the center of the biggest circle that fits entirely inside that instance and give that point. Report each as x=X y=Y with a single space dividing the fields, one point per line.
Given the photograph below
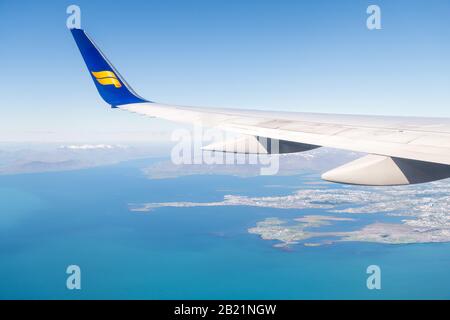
x=43 y=166
x=43 y=158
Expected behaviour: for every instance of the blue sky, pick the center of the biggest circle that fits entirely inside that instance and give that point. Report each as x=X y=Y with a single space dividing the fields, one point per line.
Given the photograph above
x=281 y=55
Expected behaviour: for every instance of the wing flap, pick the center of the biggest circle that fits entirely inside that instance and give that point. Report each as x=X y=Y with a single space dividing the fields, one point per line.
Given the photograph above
x=428 y=153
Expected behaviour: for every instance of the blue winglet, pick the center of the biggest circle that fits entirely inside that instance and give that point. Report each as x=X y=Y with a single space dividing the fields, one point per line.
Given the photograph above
x=110 y=84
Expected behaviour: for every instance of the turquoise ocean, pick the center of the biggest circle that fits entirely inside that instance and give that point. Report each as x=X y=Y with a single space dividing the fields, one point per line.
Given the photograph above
x=49 y=221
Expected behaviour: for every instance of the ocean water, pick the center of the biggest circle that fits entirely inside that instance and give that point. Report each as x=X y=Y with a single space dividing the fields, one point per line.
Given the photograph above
x=51 y=220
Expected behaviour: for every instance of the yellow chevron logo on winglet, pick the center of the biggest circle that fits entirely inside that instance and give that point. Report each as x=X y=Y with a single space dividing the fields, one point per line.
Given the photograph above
x=107 y=78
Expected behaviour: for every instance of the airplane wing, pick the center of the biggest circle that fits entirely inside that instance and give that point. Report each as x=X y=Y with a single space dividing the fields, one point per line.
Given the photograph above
x=401 y=150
